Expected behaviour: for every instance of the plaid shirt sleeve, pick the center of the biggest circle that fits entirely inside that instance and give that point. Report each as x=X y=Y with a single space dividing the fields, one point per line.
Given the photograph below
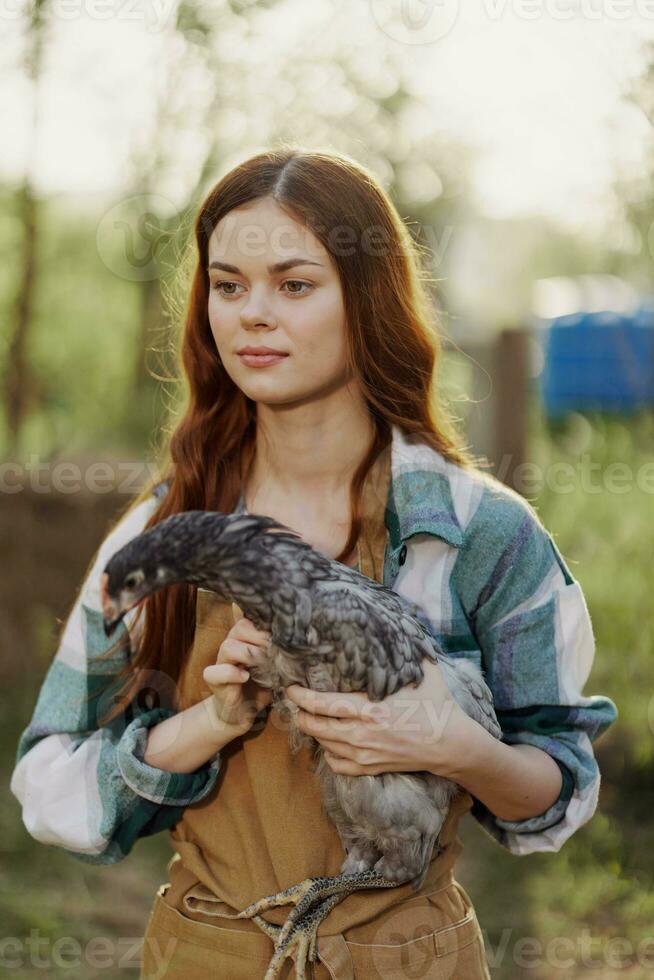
x=84 y=786
x=536 y=638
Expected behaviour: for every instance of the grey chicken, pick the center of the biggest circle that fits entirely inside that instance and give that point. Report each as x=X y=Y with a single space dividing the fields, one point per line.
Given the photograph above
x=332 y=629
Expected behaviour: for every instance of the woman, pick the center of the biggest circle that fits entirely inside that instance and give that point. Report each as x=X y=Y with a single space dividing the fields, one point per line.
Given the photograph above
x=341 y=436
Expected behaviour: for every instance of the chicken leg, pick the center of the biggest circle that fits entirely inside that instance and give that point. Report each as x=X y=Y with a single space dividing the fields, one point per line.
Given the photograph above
x=313 y=899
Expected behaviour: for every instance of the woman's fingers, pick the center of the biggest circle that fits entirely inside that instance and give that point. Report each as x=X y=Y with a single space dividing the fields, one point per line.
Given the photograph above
x=337 y=749
x=236 y=652
x=225 y=673
x=240 y=617
x=245 y=630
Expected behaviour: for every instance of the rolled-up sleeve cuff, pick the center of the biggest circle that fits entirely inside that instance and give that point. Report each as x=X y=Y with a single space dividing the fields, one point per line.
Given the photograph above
x=159 y=785
x=553 y=815
x=548 y=831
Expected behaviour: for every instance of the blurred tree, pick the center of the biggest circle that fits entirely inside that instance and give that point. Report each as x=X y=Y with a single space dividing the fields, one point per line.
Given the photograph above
x=635 y=193
x=20 y=386
x=194 y=47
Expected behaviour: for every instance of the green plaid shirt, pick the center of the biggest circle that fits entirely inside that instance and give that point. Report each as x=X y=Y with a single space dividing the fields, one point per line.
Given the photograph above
x=491 y=585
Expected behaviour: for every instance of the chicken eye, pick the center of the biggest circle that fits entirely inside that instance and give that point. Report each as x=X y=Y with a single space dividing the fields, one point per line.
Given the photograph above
x=133 y=580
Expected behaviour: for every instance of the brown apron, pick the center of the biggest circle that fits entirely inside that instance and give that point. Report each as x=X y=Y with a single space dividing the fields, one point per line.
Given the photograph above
x=262 y=829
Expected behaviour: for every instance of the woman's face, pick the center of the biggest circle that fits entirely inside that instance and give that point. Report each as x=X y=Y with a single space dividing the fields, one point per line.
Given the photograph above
x=298 y=309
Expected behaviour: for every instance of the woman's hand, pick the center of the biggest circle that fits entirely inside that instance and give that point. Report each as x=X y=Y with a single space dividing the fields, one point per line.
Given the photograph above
x=237 y=699
x=417 y=728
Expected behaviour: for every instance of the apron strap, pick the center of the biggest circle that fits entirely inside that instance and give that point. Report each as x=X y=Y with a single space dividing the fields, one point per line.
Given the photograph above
x=372 y=540
x=335 y=955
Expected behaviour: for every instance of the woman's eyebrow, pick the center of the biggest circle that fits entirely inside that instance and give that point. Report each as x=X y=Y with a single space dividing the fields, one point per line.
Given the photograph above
x=272 y=269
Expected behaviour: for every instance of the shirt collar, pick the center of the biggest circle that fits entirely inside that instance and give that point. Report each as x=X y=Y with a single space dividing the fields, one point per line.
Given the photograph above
x=420 y=492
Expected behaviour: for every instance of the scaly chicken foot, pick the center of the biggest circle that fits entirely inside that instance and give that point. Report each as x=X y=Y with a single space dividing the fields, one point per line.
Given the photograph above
x=313 y=898
x=301 y=939
x=270 y=929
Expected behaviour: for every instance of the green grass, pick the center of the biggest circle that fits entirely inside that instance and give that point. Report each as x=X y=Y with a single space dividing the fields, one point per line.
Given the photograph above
x=46 y=893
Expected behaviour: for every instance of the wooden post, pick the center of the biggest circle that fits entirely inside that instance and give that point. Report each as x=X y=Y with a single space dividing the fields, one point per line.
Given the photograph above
x=496 y=420
x=511 y=403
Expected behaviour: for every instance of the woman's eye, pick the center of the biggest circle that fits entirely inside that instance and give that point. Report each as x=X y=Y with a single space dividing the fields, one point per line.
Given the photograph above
x=297 y=282
x=226 y=282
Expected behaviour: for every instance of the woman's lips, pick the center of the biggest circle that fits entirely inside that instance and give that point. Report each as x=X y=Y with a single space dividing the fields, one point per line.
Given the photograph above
x=261 y=360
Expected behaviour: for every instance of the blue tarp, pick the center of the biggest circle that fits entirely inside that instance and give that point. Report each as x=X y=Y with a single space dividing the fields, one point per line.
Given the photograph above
x=600 y=361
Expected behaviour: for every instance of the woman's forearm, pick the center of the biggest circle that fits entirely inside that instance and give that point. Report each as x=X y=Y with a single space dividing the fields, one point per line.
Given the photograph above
x=513 y=781
x=185 y=741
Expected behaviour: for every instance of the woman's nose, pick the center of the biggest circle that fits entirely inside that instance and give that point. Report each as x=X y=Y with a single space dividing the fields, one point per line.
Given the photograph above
x=257 y=311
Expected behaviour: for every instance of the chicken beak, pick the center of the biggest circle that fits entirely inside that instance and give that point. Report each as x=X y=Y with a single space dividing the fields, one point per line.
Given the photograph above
x=111 y=624
x=111 y=614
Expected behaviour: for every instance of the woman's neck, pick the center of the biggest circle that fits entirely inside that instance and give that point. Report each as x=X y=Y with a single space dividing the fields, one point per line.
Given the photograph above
x=307 y=455
x=303 y=468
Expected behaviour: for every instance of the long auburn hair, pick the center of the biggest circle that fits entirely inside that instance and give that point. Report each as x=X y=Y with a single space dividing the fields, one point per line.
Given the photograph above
x=393 y=347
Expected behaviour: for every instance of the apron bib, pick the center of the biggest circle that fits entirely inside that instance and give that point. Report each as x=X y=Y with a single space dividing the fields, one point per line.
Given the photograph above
x=263 y=829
